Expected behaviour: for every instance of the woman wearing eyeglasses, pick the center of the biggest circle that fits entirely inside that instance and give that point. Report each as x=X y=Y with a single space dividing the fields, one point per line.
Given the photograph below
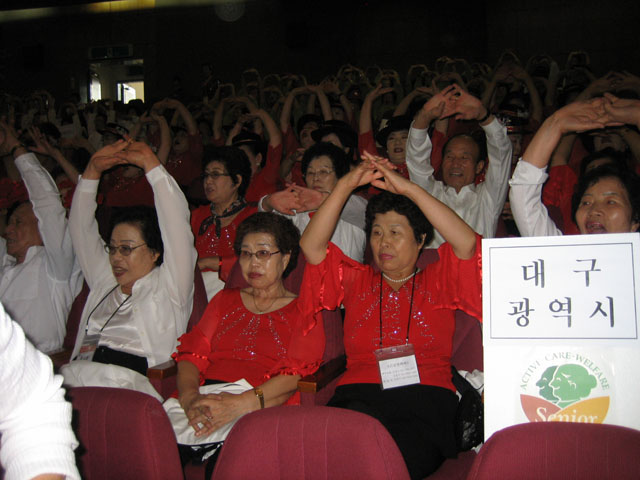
x=226 y=177
x=322 y=166
x=141 y=281
x=258 y=333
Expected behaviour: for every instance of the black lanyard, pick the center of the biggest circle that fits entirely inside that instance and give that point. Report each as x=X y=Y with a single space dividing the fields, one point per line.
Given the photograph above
x=413 y=286
x=86 y=328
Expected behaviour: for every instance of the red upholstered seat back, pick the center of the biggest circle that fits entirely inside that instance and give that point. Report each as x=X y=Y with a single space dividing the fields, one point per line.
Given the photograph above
x=123 y=434
x=559 y=451
x=309 y=443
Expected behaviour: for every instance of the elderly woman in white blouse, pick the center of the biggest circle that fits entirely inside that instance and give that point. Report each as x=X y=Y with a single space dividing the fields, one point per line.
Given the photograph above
x=141 y=281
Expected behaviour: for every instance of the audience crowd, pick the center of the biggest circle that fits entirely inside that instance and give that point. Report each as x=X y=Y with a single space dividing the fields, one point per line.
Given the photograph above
x=368 y=164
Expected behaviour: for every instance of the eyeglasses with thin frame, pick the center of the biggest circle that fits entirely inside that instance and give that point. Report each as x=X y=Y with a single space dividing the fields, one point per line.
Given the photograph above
x=124 y=250
x=214 y=175
x=262 y=255
x=320 y=174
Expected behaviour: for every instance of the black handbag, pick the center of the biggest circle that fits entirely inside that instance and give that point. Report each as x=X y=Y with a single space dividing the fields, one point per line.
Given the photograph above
x=469 y=421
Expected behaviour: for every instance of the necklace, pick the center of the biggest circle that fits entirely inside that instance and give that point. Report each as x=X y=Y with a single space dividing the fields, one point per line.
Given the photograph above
x=260 y=312
x=401 y=279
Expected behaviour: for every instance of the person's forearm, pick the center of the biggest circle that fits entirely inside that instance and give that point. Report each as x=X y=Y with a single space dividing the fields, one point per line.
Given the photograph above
x=275 y=136
x=403 y=106
x=539 y=151
x=188 y=382
x=488 y=93
x=277 y=390
x=165 y=140
x=366 y=124
x=66 y=165
x=285 y=115
x=187 y=118
x=324 y=105
x=217 y=121
x=316 y=236
x=562 y=152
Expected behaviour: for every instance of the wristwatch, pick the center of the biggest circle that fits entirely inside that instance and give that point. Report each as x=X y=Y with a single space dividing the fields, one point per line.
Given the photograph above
x=260 y=395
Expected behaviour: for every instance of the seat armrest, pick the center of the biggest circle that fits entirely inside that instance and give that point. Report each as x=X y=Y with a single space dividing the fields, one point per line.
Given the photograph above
x=163 y=370
x=60 y=357
x=326 y=373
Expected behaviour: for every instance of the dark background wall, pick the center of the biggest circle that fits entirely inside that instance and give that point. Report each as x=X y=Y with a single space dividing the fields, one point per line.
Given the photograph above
x=315 y=38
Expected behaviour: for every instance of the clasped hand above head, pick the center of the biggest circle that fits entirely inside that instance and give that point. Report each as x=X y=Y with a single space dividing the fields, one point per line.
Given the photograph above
x=452 y=101
x=121 y=153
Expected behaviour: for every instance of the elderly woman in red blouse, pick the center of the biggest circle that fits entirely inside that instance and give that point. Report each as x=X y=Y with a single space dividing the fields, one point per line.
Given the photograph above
x=259 y=333
x=399 y=320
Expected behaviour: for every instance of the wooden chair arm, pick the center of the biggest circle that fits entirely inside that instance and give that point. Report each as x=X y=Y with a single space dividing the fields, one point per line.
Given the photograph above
x=163 y=370
x=327 y=372
x=60 y=357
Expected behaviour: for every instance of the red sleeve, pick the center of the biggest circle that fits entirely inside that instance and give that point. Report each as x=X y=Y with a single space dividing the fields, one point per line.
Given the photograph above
x=322 y=284
x=266 y=180
x=306 y=347
x=558 y=191
x=227 y=265
x=290 y=141
x=461 y=280
x=438 y=139
x=577 y=154
x=195 y=346
x=367 y=143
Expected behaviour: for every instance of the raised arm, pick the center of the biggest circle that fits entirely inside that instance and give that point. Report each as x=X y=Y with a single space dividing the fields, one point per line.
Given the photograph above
x=275 y=136
x=525 y=196
x=366 y=124
x=453 y=229
x=43 y=147
x=180 y=256
x=323 y=100
x=83 y=227
x=285 y=115
x=184 y=113
x=316 y=236
x=47 y=206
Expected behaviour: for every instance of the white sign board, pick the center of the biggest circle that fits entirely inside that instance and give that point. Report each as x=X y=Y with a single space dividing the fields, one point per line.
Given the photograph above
x=561 y=331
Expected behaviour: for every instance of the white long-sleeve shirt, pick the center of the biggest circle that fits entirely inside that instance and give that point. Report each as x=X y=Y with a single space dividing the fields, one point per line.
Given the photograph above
x=38 y=292
x=35 y=419
x=531 y=216
x=478 y=205
x=162 y=300
x=349 y=234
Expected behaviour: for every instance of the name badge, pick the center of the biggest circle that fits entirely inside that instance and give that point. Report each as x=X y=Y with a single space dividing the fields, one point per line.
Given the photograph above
x=398 y=366
x=88 y=348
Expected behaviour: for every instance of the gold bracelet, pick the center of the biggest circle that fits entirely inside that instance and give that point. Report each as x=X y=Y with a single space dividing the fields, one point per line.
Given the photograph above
x=260 y=395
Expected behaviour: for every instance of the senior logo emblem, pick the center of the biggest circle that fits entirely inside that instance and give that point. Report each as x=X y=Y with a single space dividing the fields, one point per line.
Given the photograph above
x=565 y=387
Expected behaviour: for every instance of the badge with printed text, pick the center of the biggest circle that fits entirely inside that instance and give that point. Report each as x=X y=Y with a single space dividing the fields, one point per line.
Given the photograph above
x=398 y=366
x=88 y=348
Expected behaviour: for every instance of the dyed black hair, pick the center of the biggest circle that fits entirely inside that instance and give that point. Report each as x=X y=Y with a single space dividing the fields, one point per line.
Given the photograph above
x=308 y=118
x=285 y=233
x=235 y=162
x=253 y=142
x=629 y=180
x=388 y=202
x=146 y=219
x=620 y=159
x=337 y=156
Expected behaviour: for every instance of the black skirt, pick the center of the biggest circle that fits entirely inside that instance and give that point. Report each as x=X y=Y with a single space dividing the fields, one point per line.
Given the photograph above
x=420 y=418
